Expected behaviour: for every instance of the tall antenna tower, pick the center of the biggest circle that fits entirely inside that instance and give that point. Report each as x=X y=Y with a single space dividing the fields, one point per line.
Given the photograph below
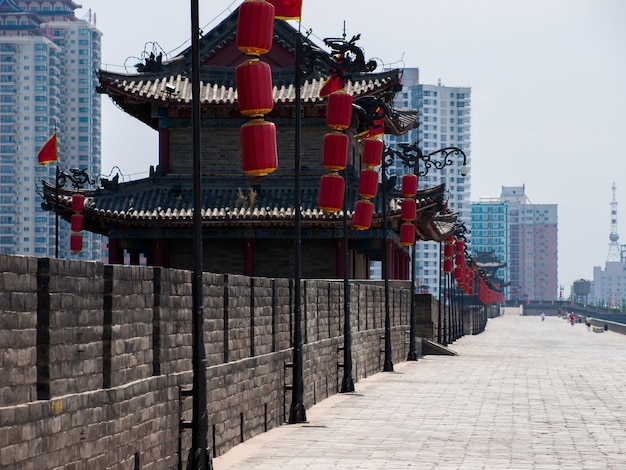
x=614 y=248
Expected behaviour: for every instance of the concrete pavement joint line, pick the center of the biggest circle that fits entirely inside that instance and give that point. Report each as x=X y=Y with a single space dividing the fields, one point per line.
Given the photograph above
x=525 y=394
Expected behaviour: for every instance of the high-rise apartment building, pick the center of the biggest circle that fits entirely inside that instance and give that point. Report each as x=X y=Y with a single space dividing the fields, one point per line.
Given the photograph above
x=524 y=237
x=533 y=241
x=490 y=233
x=444 y=121
x=47 y=83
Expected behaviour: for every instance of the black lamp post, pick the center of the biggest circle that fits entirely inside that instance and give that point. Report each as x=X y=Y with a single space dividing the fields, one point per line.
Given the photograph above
x=200 y=454
x=387 y=160
x=411 y=155
x=347 y=383
x=345 y=58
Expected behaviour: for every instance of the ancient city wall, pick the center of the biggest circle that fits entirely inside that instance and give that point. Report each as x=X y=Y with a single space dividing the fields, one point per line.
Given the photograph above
x=95 y=359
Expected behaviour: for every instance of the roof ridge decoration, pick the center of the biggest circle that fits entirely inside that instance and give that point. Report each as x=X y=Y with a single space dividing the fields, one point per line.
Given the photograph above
x=213 y=42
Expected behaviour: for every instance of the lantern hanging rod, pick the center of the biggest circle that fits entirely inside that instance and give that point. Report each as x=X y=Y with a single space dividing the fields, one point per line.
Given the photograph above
x=78 y=177
x=411 y=155
x=345 y=57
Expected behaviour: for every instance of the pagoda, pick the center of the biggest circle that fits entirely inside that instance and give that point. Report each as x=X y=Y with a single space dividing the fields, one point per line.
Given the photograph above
x=248 y=222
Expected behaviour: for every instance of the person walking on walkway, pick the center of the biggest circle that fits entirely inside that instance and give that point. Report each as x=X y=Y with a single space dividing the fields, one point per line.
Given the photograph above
x=588 y=323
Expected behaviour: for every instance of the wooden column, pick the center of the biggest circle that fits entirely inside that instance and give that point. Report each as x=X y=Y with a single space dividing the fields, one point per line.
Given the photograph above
x=116 y=253
x=159 y=253
x=164 y=150
x=134 y=257
x=248 y=256
x=339 y=258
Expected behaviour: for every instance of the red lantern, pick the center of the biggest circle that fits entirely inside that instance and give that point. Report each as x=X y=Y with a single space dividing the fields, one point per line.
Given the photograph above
x=407 y=234
x=409 y=185
x=254 y=88
x=76 y=242
x=459 y=259
x=372 y=152
x=339 y=111
x=335 y=155
x=447 y=265
x=77 y=222
x=458 y=274
x=363 y=213
x=255 y=27
x=368 y=183
x=78 y=202
x=330 y=198
x=408 y=209
x=448 y=250
x=258 y=147
x=459 y=246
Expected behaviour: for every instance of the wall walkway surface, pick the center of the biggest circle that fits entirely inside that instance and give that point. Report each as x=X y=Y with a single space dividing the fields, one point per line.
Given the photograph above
x=94 y=358
x=525 y=394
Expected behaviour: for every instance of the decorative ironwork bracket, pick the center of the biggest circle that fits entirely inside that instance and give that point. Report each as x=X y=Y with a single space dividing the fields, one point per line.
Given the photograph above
x=78 y=177
x=411 y=155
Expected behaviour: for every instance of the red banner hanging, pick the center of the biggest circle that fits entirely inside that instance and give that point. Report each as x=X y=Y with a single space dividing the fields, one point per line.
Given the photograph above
x=287 y=9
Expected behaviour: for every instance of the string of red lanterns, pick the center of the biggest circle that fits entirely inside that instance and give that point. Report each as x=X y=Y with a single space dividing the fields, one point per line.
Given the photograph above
x=253 y=78
x=465 y=276
x=408 y=208
x=335 y=152
x=368 y=183
x=76 y=239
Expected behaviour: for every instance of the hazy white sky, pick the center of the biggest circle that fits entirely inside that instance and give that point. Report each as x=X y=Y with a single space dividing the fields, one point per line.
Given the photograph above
x=548 y=81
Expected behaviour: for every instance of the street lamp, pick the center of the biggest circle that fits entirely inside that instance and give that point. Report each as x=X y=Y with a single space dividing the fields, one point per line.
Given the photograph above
x=199 y=455
x=347 y=383
x=388 y=362
x=411 y=155
x=345 y=57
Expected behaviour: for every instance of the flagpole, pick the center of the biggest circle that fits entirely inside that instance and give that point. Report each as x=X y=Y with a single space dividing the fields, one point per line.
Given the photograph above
x=56 y=211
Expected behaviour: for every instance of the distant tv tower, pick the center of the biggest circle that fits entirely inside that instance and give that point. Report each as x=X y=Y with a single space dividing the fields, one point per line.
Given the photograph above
x=614 y=248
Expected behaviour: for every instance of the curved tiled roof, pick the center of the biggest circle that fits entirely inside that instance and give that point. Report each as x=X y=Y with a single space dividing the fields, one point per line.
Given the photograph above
x=167 y=82
x=176 y=90
x=168 y=201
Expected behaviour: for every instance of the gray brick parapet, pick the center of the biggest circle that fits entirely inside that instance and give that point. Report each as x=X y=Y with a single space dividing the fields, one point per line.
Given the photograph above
x=94 y=358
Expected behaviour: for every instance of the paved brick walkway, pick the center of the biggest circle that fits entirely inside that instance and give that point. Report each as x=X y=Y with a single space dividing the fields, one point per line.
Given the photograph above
x=525 y=394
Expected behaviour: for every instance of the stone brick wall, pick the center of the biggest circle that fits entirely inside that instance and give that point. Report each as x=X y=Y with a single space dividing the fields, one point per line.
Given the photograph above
x=95 y=359
x=18 y=331
x=221 y=151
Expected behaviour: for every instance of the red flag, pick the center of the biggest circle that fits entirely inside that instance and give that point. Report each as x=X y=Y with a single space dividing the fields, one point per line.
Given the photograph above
x=48 y=153
x=287 y=9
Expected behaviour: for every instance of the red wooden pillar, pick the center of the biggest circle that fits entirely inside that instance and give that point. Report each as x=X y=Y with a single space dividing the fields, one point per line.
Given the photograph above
x=398 y=262
x=407 y=266
x=339 y=258
x=116 y=254
x=134 y=257
x=164 y=150
x=248 y=257
x=391 y=258
x=159 y=253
